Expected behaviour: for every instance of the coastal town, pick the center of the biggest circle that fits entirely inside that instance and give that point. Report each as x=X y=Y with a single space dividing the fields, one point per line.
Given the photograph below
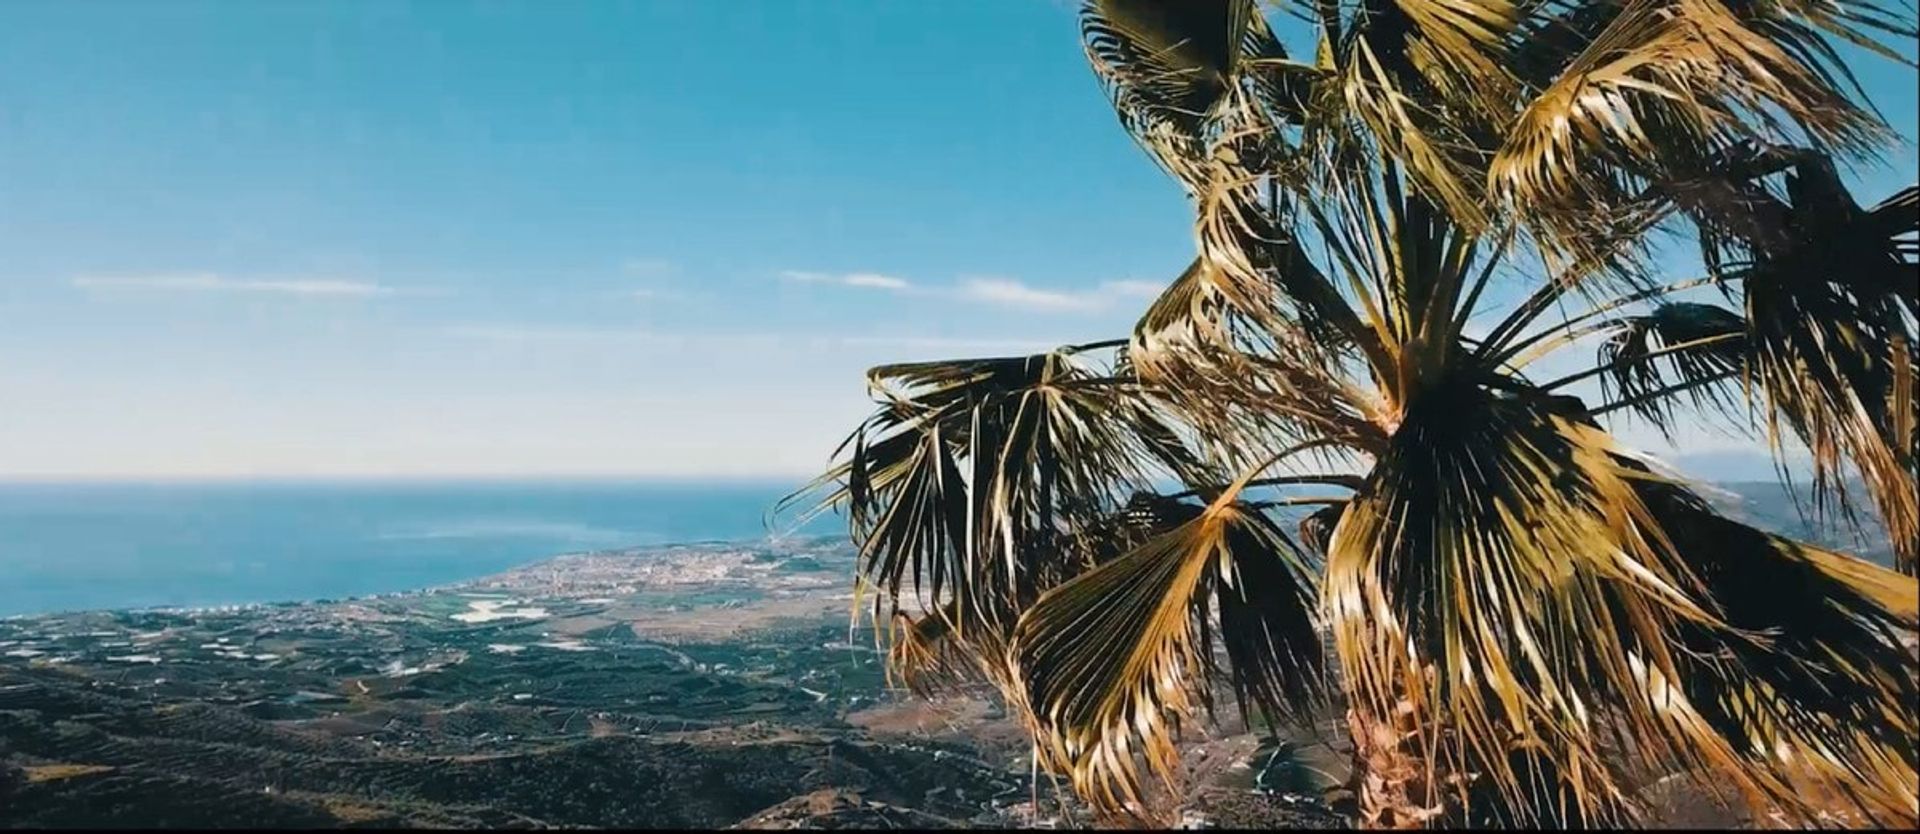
x=684 y=657
x=692 y=595
x=705 y=651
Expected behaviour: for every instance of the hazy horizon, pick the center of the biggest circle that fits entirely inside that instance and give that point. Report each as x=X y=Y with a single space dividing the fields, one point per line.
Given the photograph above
x=1726 y=466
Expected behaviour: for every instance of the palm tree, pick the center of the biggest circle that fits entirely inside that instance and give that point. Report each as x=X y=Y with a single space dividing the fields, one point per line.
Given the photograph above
x=1335 y=421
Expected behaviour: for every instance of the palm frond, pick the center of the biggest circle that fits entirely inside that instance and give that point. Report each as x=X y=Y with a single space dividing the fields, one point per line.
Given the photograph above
x=925 y=656
x=1676 y=348
x=1466 y=36
x=1243 y=387
x=1057 y=453
x=913 y=652
x=1268 y=613
x=1652 y=97
x=1832 y=296
x=1187 y=319
x=1402 y=116
x=911 y=520
x=1316 y=529
x=957 y=488
x=1167 y=66
x=1806 y=28
x=1810 y=679
x=1500 y=591
x=1107 y=664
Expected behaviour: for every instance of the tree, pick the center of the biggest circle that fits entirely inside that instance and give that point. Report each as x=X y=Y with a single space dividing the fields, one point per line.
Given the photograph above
x=1528 y=618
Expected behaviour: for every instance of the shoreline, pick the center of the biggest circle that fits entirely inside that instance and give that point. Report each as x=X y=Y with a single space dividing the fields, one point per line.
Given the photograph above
x=417 y=591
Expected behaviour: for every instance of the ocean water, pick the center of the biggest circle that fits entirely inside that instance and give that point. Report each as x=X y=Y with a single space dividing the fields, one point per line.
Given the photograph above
x=66 y=547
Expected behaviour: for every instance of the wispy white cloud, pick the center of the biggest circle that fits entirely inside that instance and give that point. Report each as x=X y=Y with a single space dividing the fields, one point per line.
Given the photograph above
x=995 y=290
x=209 y=282
x=874 y=280
x=612 y=338
x=1133 y=289
x=609 y=337
x=1007 y=292
x=867 y=280
x=938 y=343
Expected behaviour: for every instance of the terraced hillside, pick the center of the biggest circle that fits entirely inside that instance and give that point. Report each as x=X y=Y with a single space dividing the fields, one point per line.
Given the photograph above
x=84 y=752
x=693 y=685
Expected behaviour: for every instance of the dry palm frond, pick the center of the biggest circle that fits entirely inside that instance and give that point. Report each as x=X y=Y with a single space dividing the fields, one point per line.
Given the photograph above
x=1316 y=529
x=1410 y=130
x=1186 y=321
x=1500 y=578
x=1167 y=66
x=967 y=491
x=1653 y=96
x=1267 y=606
x=1426 y=83
x=1832 y=293
x=1811 y=680
x=1244 y=389
x=1825 y=345
x=1830 y=316
x=1056 y=453
x=1177 y=57
x=923 y=656
x=913 y=652
x=910 y=517
x=929 y=655
x=1461 y=39
x=1554 y=32
x=953 y=487
x=1805 y=27
x=1106 y=664
x=1677 y=348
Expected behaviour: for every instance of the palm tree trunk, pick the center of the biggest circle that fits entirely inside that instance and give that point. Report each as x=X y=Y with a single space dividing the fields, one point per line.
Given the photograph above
x=1397 y=786
x=1392 y=782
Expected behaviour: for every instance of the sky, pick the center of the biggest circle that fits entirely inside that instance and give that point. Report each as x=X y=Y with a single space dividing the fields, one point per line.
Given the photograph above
x=378 y=238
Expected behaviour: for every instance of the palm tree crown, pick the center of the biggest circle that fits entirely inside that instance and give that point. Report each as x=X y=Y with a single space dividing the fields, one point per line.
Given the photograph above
x=1343 y=388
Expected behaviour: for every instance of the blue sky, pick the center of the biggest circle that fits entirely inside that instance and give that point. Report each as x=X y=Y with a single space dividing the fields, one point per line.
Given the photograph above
x=379 y=238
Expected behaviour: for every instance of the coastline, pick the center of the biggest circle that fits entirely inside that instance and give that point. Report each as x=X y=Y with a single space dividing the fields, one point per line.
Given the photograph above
x=450 y=586
x=109 y=546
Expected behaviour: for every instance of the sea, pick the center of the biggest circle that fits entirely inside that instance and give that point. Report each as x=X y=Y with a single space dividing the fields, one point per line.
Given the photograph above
x=89 y=546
